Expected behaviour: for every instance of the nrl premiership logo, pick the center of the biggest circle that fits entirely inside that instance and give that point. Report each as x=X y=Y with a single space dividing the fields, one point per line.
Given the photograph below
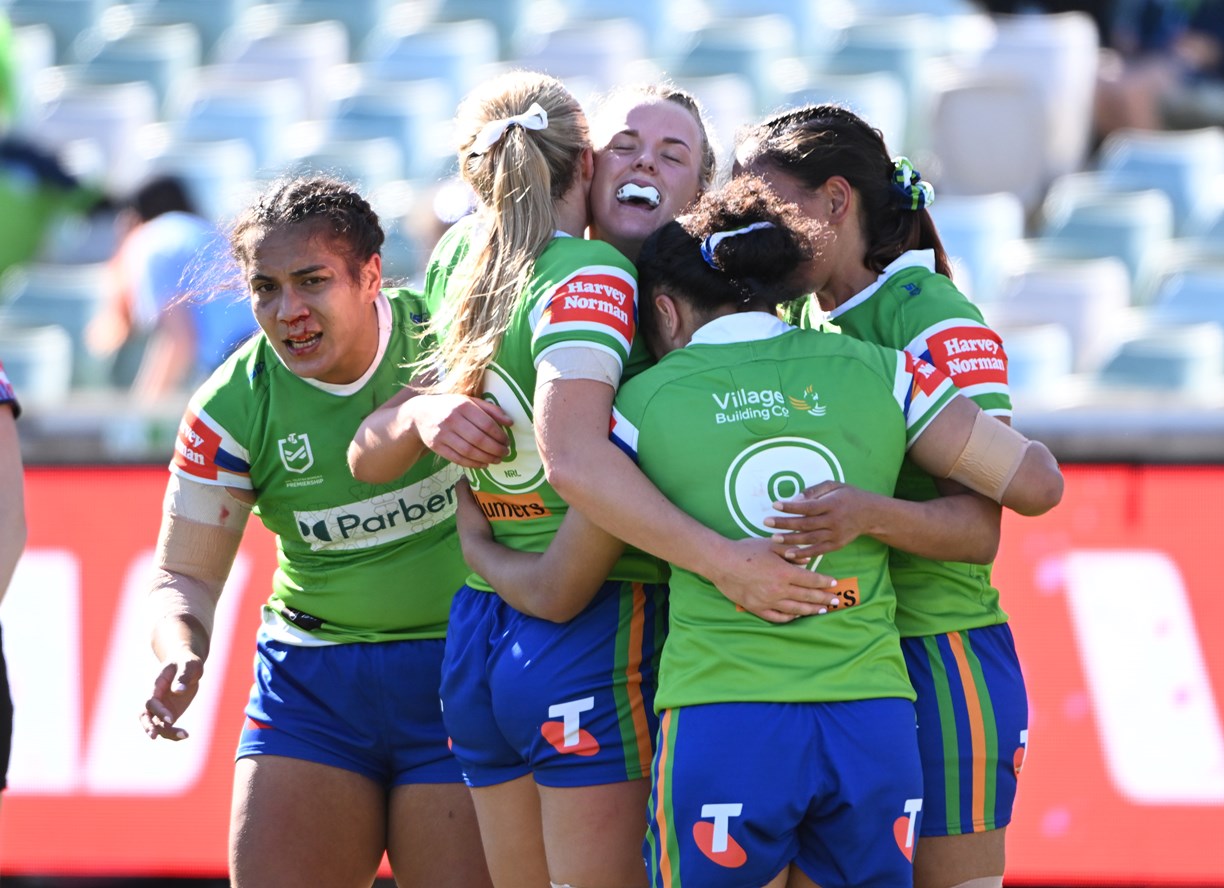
x=295 y=452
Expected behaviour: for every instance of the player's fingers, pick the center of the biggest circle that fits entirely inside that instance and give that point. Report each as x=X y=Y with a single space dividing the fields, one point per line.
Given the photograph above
x=462 y=451
x=800 y=506
x=170 y=733
x=450 y=454
x=809 y=600
x=807 y=580
x=789 y=611
x=489 y=443
x=494 y=411
x=818 y=490
x=487 y=426
x=160 y=725
x=800 y=555
x=824 y=523
x=158 y=712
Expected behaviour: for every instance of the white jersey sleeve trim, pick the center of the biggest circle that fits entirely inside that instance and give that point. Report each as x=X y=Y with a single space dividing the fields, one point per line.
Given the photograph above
x=624 y=434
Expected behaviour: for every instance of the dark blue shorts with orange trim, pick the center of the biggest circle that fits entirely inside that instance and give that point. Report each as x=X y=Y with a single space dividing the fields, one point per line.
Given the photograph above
x=743 y=790
x=372 y=708
x=570 y=703
x=972 y=727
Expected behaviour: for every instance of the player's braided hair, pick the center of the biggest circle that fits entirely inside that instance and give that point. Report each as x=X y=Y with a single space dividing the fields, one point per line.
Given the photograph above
x=752 y=267
x=816 y=142
x=331 y=204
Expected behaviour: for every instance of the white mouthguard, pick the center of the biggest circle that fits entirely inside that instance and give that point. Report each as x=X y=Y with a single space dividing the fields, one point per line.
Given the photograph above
x=629 y=191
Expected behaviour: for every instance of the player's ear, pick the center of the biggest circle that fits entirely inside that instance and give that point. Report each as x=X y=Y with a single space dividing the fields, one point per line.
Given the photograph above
x=371 y=277
x=668 y=315
x=840 y=196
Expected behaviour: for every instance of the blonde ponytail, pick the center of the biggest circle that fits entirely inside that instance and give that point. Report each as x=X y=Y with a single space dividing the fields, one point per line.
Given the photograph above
x=517 y=179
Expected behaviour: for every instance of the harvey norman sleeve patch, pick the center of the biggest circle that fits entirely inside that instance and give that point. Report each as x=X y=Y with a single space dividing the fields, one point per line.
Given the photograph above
x=205 y=452
x=970 y=355
x=597 y=301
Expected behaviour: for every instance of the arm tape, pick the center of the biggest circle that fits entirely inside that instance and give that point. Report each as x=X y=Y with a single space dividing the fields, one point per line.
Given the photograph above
x=576 y=362
x=192 y=563
x=991 y=457
x=205 y=503
x=176 y=595
x=200 y=534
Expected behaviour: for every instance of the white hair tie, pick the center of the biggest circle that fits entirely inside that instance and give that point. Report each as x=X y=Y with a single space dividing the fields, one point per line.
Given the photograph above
x=534 y=118
x=710 y=244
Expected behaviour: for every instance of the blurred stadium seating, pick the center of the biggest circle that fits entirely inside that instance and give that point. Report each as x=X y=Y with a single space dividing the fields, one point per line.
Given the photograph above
x=1080 y=251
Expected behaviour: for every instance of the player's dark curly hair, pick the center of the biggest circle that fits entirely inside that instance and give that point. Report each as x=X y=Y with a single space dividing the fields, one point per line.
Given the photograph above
x=747 y=270
x=333 y=205
x=815 y=142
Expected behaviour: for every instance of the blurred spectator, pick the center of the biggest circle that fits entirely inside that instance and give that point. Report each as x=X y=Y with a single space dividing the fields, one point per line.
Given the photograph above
x=1199 y=52
x=36 y=192
x=1163 y=66
x=173 y=296
x=1101 y=10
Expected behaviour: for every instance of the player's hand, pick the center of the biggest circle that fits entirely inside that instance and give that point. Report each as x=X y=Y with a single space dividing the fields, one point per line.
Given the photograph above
x=464 y=430
x=826 y=517
x=173 y=690
x=753 y=576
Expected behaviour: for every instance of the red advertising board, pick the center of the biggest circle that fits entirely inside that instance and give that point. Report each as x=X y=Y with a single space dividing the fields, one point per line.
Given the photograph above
x=1116 y=602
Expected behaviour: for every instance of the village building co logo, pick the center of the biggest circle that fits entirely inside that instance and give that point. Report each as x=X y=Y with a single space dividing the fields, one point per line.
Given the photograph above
x=295 y=452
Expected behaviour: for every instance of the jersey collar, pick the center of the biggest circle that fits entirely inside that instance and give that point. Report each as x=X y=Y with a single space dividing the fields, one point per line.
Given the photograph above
x=383 y=308
x=743 y=326
x=909 y=259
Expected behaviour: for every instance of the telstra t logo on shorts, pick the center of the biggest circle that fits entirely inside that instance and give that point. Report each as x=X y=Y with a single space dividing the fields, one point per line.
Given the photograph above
x=905 y=827
x=715 y=839
x=567 y=735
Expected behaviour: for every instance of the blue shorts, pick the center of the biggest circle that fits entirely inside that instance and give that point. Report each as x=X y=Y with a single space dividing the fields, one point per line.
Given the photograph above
x=742 y=790
x=571 y=703
x=972 y=727
x=372 y=708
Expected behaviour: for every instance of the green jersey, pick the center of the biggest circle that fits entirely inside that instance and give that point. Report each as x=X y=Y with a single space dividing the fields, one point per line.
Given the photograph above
x=753 y=411
x=373 y=562
x=911 y=307
x=581 y=294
